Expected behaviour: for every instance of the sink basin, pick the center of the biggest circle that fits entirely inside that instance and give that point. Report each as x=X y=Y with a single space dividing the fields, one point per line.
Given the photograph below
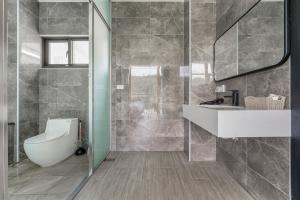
x=227 y=121
x=221 y=107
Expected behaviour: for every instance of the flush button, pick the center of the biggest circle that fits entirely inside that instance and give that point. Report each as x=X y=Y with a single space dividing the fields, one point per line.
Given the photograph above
x=120 y=87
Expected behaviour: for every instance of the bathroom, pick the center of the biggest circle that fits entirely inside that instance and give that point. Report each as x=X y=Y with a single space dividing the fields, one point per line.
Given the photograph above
x=150 y=99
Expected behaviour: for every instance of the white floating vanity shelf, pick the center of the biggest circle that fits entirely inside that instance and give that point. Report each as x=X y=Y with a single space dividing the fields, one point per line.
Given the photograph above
x=233 y=122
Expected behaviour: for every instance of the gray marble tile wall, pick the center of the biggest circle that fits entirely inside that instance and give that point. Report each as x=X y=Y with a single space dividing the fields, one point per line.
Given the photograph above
x=64 y=18
x=261 y=36
x=229 y=11
x=63 y=93
x=260 y=165
x=29 y=65
x=226 y=51
x=12 y=76
x=203 y=31
x=261 y=161
x=147 y=60
x=202 y=144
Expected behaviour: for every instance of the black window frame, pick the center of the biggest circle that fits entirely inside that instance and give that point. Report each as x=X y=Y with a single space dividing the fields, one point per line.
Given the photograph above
x=70 y=64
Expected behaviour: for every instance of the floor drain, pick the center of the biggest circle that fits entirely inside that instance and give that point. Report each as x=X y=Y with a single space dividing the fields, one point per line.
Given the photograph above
x=109 y=159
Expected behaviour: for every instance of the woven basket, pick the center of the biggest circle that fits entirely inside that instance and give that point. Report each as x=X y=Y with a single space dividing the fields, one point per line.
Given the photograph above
x=256 y=103
x=265 y=103
x=277 y=104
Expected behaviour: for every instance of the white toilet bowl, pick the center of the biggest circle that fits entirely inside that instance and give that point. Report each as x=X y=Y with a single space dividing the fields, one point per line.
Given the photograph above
x=57 y=143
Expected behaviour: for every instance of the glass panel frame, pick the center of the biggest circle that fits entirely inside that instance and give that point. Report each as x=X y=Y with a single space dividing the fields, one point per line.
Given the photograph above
x=3 y=103
x=104 y=7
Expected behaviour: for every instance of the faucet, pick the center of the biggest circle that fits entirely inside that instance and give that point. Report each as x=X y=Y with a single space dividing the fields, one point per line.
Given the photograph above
x=234 y=96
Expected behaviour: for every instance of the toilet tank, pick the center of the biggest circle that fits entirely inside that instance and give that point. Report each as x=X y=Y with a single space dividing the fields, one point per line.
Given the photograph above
x=58 y=127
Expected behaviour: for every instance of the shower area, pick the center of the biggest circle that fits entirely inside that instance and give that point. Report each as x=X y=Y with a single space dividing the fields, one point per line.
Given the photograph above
x=58 y=68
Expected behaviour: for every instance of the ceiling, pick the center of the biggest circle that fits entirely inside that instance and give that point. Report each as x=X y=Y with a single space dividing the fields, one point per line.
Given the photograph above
x=63 y=0
x=147 y=0
x=112 y=0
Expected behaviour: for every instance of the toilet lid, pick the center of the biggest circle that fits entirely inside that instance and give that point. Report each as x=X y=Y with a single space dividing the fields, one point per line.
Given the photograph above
x=36 y=139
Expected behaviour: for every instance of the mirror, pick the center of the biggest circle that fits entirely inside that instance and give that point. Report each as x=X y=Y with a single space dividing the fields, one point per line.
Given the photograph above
x=258 y=40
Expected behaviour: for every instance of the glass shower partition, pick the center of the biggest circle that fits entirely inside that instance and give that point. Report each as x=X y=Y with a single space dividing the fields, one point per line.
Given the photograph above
x=104 y=8
x=99 y=130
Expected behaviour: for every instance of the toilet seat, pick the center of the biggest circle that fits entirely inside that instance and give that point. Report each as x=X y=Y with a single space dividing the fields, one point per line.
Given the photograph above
x=41 y=138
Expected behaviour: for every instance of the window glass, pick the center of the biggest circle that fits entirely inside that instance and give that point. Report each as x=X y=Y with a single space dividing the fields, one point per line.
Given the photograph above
x=58 y=52
x=80 y=52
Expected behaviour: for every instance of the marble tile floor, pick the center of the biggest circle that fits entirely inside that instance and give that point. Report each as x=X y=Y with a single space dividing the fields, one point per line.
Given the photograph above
x=28 y=181
x=160 y=176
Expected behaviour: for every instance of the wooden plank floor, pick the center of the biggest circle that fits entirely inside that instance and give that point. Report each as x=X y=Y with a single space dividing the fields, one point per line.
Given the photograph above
x=160 y=176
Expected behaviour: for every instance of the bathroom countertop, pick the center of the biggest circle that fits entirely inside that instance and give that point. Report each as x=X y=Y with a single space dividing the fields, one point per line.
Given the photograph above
x=233 y=122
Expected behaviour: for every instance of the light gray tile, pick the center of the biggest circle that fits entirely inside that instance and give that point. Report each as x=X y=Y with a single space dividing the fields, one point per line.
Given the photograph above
x=226 y=186
x=161 y=175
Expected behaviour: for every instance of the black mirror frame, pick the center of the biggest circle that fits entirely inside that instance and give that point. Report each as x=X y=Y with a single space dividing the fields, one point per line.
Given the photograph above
x=287 y=42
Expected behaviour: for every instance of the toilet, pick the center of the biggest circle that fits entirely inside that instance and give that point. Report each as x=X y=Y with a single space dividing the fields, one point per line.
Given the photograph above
x=57 y=143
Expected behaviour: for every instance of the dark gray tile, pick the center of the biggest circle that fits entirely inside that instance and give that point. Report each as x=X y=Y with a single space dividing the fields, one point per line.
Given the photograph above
x=269 y=163
x=203 y=12
x=130 y=9
x=166 y=9
x=236 y=167
x=167 y=50
x=205 y=31
x=236 y=148
x=67 y=9
x=131 y=26
x=67 y=26
x=275 y=81
x=166 y=26
x=64 y=18
x=259 y=188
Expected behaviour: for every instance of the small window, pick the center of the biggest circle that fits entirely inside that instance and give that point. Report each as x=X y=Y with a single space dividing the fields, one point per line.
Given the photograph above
x=80 y=52
x=66 y=52
x=58 y=53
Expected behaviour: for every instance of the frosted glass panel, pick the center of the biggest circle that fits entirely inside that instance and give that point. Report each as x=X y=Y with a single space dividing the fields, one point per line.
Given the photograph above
x=104 y=7
x=101 y=86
